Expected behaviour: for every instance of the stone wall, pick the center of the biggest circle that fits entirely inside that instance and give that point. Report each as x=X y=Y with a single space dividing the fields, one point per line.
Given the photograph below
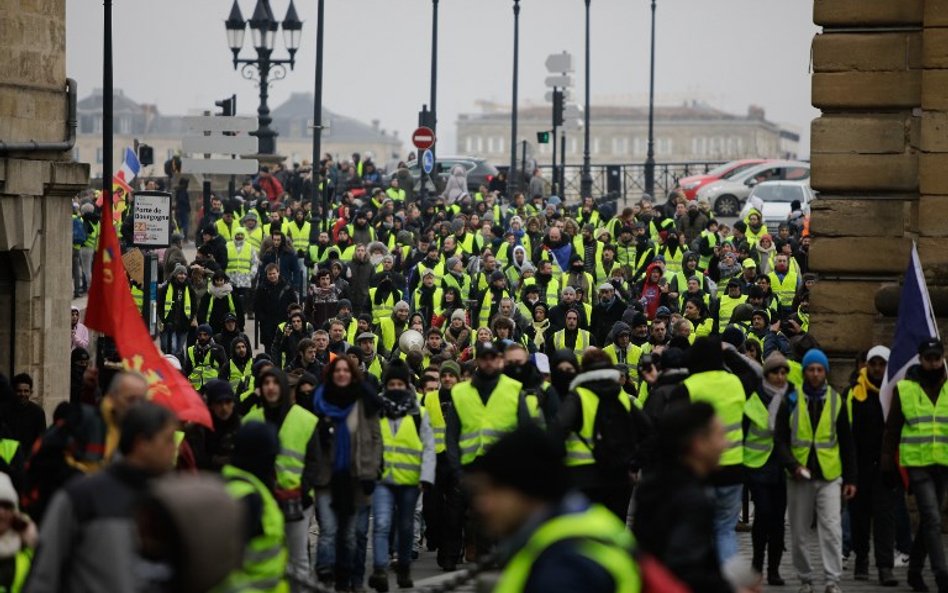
x=879 y=160
x=36 y=190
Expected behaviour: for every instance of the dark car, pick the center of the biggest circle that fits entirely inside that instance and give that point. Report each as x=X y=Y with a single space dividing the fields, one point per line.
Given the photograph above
x=479 y=171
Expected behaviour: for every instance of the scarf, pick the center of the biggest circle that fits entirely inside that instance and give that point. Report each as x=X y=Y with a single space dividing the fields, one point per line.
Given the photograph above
x=539 y=328
x=863 y=387
x=772 y=397
x=338 y=415
x=398 y=403
x=220 y=292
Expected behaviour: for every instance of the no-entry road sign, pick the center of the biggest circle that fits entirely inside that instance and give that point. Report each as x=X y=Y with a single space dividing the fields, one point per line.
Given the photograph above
x=423 y=138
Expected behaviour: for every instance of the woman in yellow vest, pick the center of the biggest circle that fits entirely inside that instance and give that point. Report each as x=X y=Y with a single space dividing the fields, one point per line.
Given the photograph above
x=765 y=475
x=408 y=463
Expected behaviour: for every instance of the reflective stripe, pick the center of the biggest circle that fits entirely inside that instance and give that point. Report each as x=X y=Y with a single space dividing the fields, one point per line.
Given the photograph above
x=734 y=444
x=438 y=430
x=399 y=465
x=488 y=432
x=261 y=555
x=579 y=455
x=757 y=446
x=403 y=450
x=470 y=449
x=925 y=439
x=732 y=426
x=292 y=454
x=917 y=420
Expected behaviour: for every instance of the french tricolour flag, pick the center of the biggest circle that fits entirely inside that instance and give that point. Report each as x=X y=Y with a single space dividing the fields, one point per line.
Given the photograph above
x=915 y=324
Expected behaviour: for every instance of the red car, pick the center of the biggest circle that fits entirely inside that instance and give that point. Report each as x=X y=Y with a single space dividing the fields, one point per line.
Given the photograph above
x=690 y=185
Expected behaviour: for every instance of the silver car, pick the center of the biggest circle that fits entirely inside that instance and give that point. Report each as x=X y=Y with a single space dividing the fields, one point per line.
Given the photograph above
x=726 y=196
x=775 y=199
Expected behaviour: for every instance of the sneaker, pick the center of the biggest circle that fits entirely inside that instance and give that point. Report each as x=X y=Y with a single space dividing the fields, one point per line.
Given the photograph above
x=805 y=588
x=845 y=561
x=833 y=588
x=901 y=560
x=916 y=582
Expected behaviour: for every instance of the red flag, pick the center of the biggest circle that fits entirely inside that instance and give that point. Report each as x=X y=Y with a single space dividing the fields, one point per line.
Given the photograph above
x=112 y=311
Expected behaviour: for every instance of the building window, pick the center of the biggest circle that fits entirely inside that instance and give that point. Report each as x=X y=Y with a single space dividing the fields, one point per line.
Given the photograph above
x=98 y=155
x=125 y=125
x=468 y=145
x=620 y=146
x=640 y=146
x=573 y=145
x=480 y=145
x=595 y=145
x=490 y=144
x=500 y=144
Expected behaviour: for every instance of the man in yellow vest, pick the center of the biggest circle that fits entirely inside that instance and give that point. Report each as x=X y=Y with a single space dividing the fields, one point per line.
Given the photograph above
x=815 y=442
x=915 y=433
x=560 y=541
x=784 y=281
x=572 y=337
x=484 y=408
x=408 y=466
x=250 y=479
x=204 y=360
x=446 y=493
x=295 y=464
x=710 y=382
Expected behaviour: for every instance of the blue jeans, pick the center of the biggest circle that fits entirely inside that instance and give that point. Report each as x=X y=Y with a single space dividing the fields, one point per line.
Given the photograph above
x=388 y=502
x=727 y=509
x=341 y=547
x=173 y=342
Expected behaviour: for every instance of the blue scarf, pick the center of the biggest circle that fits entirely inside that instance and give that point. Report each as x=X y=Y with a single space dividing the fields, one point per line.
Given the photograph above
x=341 y=462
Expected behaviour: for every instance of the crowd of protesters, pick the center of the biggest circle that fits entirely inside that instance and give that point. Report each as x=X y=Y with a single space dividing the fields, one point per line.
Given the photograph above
x=442 y=370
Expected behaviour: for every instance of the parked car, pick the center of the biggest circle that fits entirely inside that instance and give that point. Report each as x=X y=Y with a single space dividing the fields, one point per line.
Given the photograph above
x=479 y=171
x=775 y=199
x=727 y=195
x=691 y=184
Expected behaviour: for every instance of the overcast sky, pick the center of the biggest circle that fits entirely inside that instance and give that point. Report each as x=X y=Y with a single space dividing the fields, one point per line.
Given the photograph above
x=728 y=53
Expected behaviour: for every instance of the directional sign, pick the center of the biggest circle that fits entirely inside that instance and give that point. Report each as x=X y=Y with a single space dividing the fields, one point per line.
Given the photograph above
x=548 y=97
x=219 y=166
x=423 y=138
x=559 y=63
x=572 y=111
x=427 y=162
x=219 y=144
x=560 y=81
x=208 y=123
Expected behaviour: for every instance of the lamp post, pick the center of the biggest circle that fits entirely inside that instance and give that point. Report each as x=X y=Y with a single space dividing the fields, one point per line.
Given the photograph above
x=513 y=183
x=433 y=101
x=586 y=181
x=650 y=157
x=318 y=124
x=263 y=28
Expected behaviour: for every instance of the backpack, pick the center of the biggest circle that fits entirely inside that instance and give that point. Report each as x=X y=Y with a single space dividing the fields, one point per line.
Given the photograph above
x=79 y=235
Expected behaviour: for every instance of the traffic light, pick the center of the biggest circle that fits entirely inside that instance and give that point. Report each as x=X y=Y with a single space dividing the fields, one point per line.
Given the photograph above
x=543 y=137
x=558 y=107
x=146 y=155
x=228 y=106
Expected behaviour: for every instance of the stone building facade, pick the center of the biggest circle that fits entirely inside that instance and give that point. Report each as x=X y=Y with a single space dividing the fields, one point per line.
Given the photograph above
x=38 y=180
x=690 y=132
x=880 y=162
x=163 y=133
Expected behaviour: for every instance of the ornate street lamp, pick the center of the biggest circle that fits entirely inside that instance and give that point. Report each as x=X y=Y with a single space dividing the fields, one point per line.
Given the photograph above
x=263 y=69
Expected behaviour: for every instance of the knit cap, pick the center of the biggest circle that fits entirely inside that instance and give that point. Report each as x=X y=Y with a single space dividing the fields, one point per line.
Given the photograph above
x=816 y=356
x=775 y=360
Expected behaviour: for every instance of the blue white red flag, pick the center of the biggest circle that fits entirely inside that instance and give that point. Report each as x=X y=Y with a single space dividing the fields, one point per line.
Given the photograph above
x=915 y=324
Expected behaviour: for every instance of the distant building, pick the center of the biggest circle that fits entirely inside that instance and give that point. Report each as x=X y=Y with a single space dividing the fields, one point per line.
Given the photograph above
x=690 y=132
x=293 y=120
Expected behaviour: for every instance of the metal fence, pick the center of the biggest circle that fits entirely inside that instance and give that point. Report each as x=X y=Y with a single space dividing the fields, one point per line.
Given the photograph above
x=626 y=181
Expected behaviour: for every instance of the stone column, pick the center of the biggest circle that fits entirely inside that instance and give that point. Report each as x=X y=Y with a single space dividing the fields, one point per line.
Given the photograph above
x=869 y=76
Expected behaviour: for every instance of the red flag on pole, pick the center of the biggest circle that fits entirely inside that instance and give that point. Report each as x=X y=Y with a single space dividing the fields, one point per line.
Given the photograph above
x=112 y=311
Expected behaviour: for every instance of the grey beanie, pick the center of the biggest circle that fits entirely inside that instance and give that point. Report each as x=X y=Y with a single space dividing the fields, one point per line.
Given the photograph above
x=452 y=261
x=179 y=269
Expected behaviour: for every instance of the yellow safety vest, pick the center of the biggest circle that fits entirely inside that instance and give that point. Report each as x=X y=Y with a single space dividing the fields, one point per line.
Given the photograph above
x=599 y=535
x=583 y=339
x=254 y=237
x=632 y=355
x=295 y=433
x=825 y=441
x=202 y=371
x=169 y=301
x=432 y=404
x=483 y=424
x=381 y=310
x=265 y=555
x=925 y=431
x=238 y=262
x=402 y=451
x=724 y=391
x=786 y=289
x=579 y=445
x=759 y=440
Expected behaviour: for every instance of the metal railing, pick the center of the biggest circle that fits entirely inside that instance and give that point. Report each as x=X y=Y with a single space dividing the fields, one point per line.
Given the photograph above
x=626 y=181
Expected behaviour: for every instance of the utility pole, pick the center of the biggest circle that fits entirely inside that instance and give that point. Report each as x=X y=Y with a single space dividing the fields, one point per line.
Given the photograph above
x=650 y=157
x=512 y=184
x=586 y=185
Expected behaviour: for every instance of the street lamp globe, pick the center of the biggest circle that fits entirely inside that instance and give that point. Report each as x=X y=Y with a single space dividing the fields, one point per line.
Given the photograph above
x=292 y=30
x=263 y=26
x=236 y=27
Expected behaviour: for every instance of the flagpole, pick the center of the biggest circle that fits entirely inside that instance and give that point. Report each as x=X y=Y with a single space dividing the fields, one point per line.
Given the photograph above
x=107 y=110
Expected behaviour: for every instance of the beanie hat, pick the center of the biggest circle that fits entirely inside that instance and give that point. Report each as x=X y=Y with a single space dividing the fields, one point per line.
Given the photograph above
x=217 y=390
x=775 y=360
x=528 y=461
x=450 y=367
x=401 y=306
x=344 y=304
x=452 y=261
x=179 y=269
x=816 y=356
x=206 y=329
x=397 y=369
x=733 y=336
x=458 y=314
